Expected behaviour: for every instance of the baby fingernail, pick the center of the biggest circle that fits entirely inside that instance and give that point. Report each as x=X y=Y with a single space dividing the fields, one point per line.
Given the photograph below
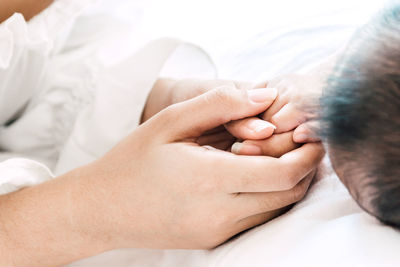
x=246 y=149
x=260 y=125
x=263 y=94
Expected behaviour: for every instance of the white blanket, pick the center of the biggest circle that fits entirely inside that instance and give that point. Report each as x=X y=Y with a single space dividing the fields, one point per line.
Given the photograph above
x=325 y=229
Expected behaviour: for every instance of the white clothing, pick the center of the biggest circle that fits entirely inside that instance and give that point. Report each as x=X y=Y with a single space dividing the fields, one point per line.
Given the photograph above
x=70 y=107
x=58 y=94
x=18 y=173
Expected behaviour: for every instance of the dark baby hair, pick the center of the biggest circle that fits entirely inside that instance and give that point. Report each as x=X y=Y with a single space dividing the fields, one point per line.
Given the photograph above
x=361 y=116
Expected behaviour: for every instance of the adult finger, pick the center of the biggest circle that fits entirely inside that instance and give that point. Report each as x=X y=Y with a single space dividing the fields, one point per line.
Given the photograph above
x=257 y=219
x=250 y=128
x=275 y=146
x=255 y=203
x=246 y=85
x=191 y=118
x=265 y=174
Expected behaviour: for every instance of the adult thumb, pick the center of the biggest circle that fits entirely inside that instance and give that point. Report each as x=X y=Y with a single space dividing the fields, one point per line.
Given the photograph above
x=193 y=117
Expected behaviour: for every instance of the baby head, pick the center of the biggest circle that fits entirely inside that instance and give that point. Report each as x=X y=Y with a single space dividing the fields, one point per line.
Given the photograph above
x=361 y=117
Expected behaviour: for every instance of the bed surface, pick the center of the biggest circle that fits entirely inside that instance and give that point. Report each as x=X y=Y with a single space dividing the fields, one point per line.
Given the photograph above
x=256 y=40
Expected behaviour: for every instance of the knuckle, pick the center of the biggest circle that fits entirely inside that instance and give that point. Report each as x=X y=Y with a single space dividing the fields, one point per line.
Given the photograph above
x=275 y=120
x=223 y=94
x=170 y=112
x=243 y=85
x=286 y=95
x=283 y=87
x=229 y=97
x=289 y=179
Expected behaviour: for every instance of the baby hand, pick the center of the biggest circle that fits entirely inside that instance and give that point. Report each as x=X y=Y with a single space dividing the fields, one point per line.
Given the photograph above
x=296 y=106
x=167 y=92
x=292 y=113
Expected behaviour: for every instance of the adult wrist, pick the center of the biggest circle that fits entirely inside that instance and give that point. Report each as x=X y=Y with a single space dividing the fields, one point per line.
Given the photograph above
x=43 y=225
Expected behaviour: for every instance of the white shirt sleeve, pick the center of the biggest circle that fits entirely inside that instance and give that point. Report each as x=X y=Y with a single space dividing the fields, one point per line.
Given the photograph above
x=18 y=173
x=19 y=49
x=121 y=94
x=25 y=48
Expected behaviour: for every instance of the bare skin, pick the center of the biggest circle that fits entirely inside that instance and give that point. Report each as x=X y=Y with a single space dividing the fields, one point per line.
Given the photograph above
x=293 y=111
x=28 y=8
x=175 y=91
x=157 y=189
x=160 y=187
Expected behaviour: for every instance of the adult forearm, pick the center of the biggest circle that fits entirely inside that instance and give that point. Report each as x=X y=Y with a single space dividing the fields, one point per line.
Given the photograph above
x=28 y=8
x=44 y=225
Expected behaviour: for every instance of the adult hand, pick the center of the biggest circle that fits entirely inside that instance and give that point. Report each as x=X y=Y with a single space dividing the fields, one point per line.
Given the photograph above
x=168 y=91
x=163 y=190
x=157 y=189
x=293 y=113
x=274 y=146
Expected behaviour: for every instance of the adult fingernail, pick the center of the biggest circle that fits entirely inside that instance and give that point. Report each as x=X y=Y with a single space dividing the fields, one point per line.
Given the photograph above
x=246 y=149
x=263 y=94
x=236 y=148
x=260 y=125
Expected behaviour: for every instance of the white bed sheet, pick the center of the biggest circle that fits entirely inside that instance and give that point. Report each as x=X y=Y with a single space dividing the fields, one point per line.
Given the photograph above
x=256 y=40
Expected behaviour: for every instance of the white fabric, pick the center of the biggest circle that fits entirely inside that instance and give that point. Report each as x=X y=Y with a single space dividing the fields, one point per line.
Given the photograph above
x=26 y=45
x=26 y=55
x=18 y=173
x=326 y=229
x=64 y=65
x=121 y=93
x=33 y=83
